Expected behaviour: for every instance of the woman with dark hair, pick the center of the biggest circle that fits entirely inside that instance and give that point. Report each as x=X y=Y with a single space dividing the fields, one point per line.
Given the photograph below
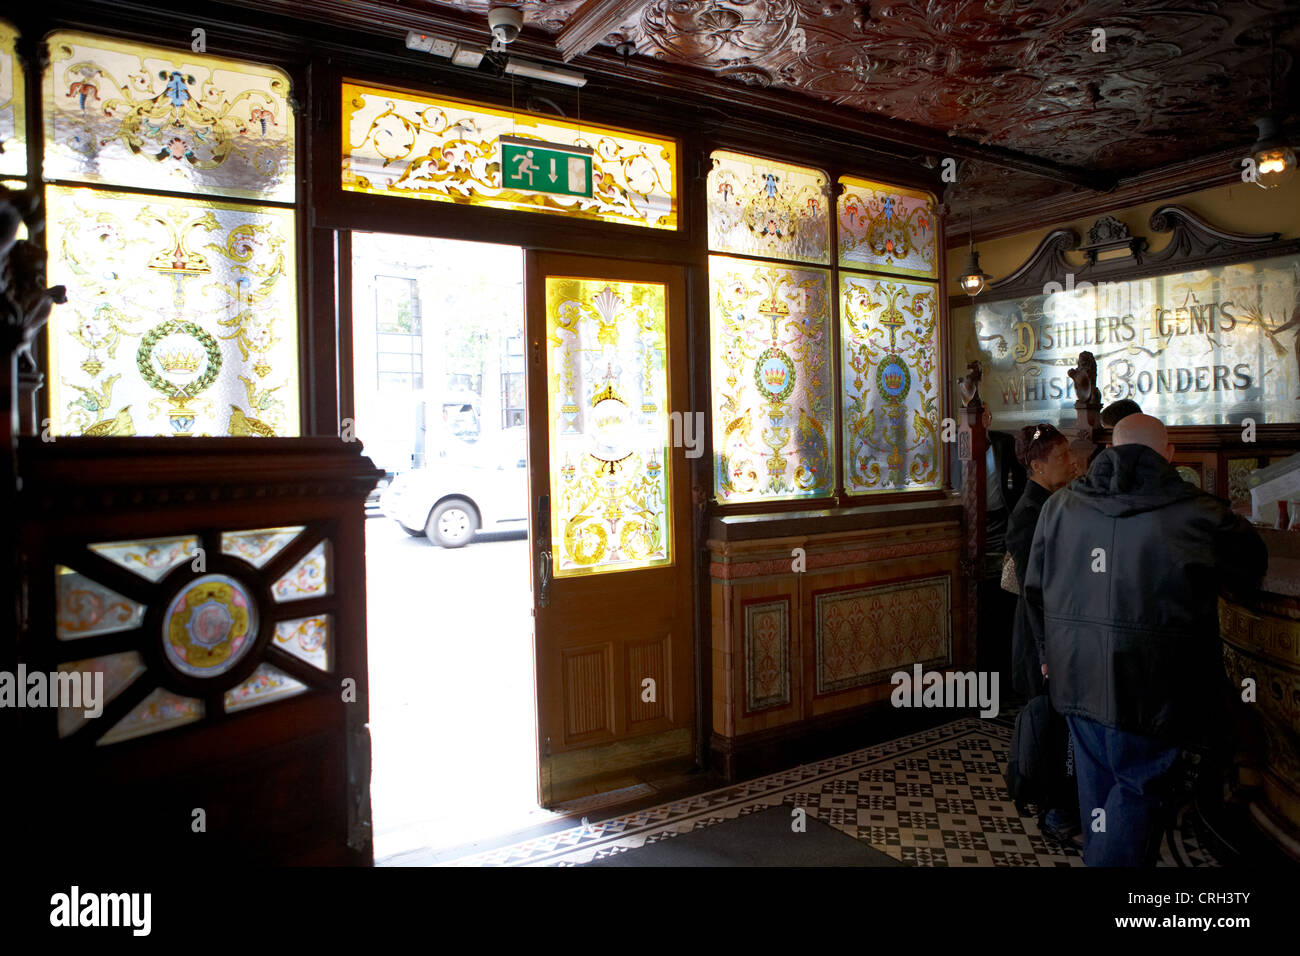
x=1045 y=453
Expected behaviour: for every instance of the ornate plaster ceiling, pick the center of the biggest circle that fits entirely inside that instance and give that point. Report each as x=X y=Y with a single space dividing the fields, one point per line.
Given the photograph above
x=1177 y=80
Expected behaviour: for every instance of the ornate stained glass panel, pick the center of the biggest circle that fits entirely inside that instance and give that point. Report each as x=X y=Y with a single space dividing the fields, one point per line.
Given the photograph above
x=181 y=316
x=773 y=413
x=124 y=114
x=887 y=228
x=759 y=207
x=610 y=427
x=307 y=638
x=109 y=676
x=13 y=107
x=161 y=710
x=151 y=558
x=209 y=626
x=258 y=547
x=266 y=684
x=890 y=373
x=88 y=609
x=412 y=144
x=307 y=579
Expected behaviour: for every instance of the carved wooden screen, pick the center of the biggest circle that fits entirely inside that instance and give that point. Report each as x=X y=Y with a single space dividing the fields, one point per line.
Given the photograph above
x=182 y=314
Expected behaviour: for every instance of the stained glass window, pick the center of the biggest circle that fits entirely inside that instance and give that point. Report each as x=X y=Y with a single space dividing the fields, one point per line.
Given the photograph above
x=772 y=380
x=887 y=228
x=161 y=710
x=130 y=115
x=411 y=144
x=181 y=316
x=758 y=207
x=889 y=330
x=266 y=684
x=307 y=579
x=609 y=434
x=88 y=609
x=151 y=558
x=109 y=676
x=13 y=107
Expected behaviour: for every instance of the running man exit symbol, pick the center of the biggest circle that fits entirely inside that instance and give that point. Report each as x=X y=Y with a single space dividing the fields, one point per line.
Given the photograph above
x=531 y=165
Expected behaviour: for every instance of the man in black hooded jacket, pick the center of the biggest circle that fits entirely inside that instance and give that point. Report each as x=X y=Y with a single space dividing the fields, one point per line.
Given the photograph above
x=1122 y=586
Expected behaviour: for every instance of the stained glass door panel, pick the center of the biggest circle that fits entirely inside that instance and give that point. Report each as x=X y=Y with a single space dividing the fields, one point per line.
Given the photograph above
x=610 y=427
x=610 y=430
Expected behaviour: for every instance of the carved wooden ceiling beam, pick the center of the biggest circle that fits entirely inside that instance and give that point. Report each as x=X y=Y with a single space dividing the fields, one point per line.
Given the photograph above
x=594 y=20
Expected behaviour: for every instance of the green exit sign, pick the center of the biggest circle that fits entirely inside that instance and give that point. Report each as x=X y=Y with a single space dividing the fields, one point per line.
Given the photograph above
x=536 y=166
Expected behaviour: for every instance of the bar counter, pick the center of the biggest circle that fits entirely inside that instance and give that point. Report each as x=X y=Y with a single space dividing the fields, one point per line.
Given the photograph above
x=1261 y=640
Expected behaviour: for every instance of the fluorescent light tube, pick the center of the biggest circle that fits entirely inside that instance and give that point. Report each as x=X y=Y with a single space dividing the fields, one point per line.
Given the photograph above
x=536 y=71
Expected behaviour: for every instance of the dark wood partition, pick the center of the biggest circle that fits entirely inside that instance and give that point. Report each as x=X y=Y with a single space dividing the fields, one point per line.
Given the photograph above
x=136 y=555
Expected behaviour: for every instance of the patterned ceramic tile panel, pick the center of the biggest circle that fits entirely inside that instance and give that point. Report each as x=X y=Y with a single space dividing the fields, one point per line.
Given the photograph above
x=610 y=428
x=266 y=684
x=773 y=419
x=131 y=115
x=13 y=107
x=150 y=558
x=407 y=144
x=890 y=374
x=887 y=228
x=759 y=207
x=309 y=578
x=258 y=547
x=307 y=638
x=1239 y=472
x=88 y=609
x=767 y=654
x=117 y=670
x=161 y=710
x=181 y=316
x=863 y=635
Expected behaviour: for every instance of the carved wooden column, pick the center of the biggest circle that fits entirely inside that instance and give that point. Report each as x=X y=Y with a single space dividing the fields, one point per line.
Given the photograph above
x=1087 y=404
x=972 y=445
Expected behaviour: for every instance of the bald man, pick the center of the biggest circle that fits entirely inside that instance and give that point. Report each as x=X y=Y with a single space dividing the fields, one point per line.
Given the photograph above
x=1122 y=592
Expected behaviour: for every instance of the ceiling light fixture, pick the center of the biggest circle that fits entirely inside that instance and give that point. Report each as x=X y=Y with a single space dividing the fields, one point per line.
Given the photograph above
x=536 y=71
x=972 y=280
x=1274 y=159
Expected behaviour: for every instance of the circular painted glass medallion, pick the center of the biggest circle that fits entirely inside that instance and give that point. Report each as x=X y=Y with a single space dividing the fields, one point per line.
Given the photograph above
x=893 y=378
x=774 y=375
x=209 y=625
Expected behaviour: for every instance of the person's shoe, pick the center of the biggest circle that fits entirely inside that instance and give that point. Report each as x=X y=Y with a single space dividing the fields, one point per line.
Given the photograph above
x=1064 y=833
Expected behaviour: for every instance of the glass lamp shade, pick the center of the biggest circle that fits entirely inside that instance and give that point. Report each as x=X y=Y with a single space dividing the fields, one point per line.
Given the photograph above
x=1274 y=158
x=972 y=278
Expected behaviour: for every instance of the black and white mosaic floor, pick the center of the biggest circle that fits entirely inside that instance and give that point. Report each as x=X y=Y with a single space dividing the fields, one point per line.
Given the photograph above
x=934 y=798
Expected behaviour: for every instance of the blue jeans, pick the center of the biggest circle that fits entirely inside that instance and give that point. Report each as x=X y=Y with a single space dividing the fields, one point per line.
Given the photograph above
x=1129 y=776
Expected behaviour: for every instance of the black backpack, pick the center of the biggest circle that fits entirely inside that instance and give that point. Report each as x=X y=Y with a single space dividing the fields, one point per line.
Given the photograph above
x=1036 y=763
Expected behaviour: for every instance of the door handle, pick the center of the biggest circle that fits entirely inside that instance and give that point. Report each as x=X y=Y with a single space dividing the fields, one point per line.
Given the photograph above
x=544 y=551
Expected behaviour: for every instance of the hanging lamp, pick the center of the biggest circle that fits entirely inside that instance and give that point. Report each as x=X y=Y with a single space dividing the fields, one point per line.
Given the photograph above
x=972 y=278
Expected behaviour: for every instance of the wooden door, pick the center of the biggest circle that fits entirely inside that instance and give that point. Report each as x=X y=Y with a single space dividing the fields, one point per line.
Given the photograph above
x=610 y=527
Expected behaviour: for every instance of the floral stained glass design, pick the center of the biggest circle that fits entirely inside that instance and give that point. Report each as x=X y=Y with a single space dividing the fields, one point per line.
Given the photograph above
x=307 y=579
x=772 y=381
x=609 y=433
x=117 y=670
x=414 y=145
x=266 y=684
x=88 y=609
x=886 y=228
x=759 y=207
x=13 y=110
x=130 y=115
x=161 y=710
x=210 y=625
x=181 y=316
x=258 y=547
x=890 y=374
x=151 y=558
x=307 y=638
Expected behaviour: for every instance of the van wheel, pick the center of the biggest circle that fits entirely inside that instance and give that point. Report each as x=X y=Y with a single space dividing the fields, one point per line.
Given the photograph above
x=452 y=524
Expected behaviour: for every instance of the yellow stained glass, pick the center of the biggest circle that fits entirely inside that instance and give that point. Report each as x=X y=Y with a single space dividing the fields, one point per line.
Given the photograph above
x=130 y=115
x=759 y=207
x=887 y=228
x=13 y=107
x=773 y=411
x=609 y=425
x=890 y=374
x=181 y=316
x=414 y=145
